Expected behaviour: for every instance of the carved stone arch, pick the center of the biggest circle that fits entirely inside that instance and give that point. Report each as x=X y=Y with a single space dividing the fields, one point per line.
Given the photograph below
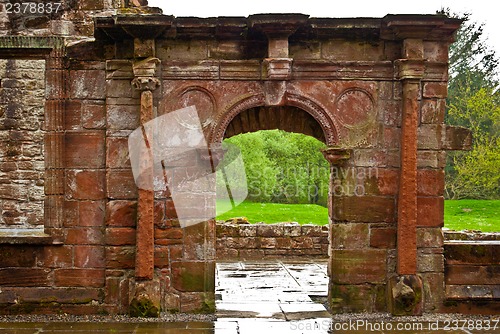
x=294 y=100
x=247 y=102
x=319 y=113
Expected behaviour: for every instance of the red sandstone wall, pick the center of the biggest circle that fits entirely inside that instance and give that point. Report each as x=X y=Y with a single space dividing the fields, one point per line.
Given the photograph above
x=259 y=242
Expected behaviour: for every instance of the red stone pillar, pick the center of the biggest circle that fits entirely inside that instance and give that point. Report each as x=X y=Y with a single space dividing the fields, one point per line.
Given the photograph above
x=406 y=289
x=146 y=301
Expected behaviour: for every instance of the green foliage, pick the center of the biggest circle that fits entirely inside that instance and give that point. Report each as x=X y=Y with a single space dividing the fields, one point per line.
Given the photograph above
x=476 y=174
x=483 y=215
x=474 y=102
x=277 y=213
x=283 y=167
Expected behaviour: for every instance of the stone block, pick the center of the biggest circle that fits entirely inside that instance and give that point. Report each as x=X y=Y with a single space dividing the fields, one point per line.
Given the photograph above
x=434 y=291
x=430 y=182
x=79 y=277
x=87 y=84
x=369 y=209
x=435 y=90
x=436 y=52
x=270 y=230
x=430 y=263
x=193 y=276
x=57 y=257
x=292 y=230
x=358 y=266
x=472 y=274
x=85 y=184
x=383 y=237
x=311 y=230
x=431 y=159
x=432 y=111
x=429 y=237
x=117 y=155
x=248 y=230
x=73 y=115
x=301 y=243
x=122 y=117
x=84 y=149
x=89 y=256
x=120 y=236
x=84 y=236
x=93 y=116
x=430 y=211
x=267 y=243
x=161 y=257
x=430 y=136
x=349 y=235
x=457 y=138
x=14 y=256
x=197 y=302
x=120 y=213
x=472 y=252
x=251 y=254
x=121 y=184
x=169 y=233
x=227 y=230
x=357 y=298
x=60 y=295
x=120 y=257
x=24 y=277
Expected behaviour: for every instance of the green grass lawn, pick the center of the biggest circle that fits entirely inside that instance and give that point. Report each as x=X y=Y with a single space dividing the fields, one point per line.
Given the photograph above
x=482 y=215
x=276 y=213
x=458 y=215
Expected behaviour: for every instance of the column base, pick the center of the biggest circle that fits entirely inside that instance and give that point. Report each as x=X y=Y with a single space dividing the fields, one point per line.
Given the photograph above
x=145 y=302
x=405 y=295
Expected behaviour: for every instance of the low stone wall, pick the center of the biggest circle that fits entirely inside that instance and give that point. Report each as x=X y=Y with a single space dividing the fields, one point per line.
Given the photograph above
x=261 y=241
x=472 y=272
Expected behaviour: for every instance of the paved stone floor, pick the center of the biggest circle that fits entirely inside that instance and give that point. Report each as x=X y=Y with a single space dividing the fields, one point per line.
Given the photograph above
x=257 y=298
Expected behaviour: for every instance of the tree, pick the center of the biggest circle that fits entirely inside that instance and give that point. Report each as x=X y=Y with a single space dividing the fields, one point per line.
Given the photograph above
x=473 y=102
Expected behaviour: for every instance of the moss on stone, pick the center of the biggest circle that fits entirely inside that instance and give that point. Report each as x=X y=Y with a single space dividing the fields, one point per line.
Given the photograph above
x=143 y=308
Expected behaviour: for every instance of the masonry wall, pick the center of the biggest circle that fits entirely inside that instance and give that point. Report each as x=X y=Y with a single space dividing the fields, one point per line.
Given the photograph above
x=22 y=97
x=338 y=89
x=472 y=273
x=275 y=241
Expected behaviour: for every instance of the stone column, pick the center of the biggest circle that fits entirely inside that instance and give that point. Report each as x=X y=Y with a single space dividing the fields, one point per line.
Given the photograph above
x=147 y=295
x=406 y=289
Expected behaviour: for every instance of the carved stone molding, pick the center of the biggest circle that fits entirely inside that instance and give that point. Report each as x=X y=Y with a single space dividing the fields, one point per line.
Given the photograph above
x=145 y=83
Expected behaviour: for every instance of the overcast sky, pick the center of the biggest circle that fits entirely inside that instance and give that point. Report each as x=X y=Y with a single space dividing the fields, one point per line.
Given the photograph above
x=482 y=10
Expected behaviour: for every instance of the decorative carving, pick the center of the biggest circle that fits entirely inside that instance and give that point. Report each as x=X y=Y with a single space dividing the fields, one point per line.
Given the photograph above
x=354 y=108
x=202 y=99
x=145 y=83
x=314 y=109
x=277 y=68
x=336 y=155
x=320 y=115
x=245 y=102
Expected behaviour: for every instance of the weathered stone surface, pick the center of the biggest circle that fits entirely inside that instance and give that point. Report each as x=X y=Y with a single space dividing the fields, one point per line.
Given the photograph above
x=349 y=236
x=121 y=213
x=358 y=266
x=193 y=276
x=364 y=209
x=472 y=274
x=79 y=277
x=430 y=211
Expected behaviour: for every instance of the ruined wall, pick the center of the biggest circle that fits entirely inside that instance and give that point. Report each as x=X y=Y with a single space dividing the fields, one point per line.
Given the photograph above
x=256 y=242
x=22 y=98
x=348 y=87
x=472 y=272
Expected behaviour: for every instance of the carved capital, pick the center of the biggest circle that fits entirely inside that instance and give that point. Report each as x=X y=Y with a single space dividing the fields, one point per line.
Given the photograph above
x=409 y=69
x=277 y=68
x=336 y=155
x=145 y=83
